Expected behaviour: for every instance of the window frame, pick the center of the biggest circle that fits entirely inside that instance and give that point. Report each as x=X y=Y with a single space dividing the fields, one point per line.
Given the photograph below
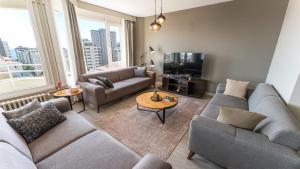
x=46 y=69
x=92 y=16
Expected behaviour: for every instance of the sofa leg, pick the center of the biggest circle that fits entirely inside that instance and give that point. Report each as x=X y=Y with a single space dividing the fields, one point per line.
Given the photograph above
x=98 y=109
x=191 y=154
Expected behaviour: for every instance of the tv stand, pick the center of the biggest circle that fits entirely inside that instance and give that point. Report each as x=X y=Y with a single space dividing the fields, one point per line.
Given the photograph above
x=184 y=85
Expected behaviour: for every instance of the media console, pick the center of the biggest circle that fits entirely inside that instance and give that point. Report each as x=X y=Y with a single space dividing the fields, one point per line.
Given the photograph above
x=184 y=85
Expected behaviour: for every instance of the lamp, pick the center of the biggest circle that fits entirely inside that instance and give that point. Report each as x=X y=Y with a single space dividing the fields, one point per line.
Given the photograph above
x=155 y=26
x=152 y=63
x=161 y=18
x=151 y=50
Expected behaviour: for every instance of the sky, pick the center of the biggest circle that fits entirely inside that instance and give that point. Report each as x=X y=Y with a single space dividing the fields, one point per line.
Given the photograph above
x=17 y=30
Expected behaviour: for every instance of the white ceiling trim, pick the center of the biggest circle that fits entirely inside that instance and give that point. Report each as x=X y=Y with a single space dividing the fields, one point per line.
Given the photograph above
x=144 y=8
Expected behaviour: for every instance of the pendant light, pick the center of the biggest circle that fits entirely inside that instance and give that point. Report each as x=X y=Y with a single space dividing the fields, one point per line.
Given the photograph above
x=161 y=18
x=155 y=26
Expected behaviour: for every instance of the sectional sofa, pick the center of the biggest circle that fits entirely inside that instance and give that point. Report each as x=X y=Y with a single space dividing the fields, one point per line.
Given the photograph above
x=274 y=143
x=124 y=80
x=72 y=144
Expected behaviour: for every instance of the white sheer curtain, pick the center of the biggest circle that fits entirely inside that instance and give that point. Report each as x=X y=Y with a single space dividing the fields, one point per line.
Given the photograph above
x=43 y=19
x=76 y=40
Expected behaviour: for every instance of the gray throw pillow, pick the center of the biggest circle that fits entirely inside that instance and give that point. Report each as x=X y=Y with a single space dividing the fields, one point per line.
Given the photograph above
x=36 y=123
x=140 y=71
x=106 y=81
x=98 y=82
x=34 y=105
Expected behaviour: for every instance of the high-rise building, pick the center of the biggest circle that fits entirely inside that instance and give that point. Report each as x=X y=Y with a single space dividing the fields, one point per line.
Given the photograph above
x=99 y=40
x=6 y=49
x=34 y=55
x=28 y=55
x=92 y=55
x=2 y=50
x=115 y=50
x=23 y=55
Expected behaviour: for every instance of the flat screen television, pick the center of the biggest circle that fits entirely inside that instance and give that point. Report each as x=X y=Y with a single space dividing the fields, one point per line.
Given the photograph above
x=183 y=63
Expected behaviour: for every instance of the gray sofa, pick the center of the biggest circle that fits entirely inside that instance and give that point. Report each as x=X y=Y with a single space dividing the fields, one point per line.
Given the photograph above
x=272 y=145
x=72 y=144
x=124 y=82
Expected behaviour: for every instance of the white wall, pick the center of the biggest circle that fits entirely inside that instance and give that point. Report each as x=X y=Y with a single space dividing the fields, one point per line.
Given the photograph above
x=285 y=67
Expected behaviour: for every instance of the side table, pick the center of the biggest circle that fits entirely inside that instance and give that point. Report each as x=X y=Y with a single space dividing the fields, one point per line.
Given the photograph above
x=66 y=93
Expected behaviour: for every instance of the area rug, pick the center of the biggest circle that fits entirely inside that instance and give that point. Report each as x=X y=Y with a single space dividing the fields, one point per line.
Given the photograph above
x=144 y=133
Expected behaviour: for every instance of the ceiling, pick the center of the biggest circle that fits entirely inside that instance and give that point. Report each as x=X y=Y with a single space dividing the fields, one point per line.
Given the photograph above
x=143 y=8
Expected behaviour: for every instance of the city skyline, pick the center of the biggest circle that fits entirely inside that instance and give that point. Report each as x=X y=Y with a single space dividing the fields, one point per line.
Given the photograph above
x=19 y=45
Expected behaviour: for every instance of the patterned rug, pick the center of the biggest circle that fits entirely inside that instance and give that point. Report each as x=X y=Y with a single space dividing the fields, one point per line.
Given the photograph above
x=143 y=132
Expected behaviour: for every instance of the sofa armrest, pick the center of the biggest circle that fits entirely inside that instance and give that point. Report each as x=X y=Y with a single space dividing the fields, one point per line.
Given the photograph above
x=62 y=104
x=211 y=139
x=232 y=147
x=152 y=75
x=151 y=162
x=93 y=94
x=221 y=88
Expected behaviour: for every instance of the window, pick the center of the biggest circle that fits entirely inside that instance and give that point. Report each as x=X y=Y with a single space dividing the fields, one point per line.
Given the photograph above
x=101 y=40
x=115 y=40
x=21 y=65
x=94 y=44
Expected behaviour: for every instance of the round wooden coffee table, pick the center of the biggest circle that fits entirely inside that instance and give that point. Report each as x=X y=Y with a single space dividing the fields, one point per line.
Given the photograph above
x=144 y=100
x=68 y=94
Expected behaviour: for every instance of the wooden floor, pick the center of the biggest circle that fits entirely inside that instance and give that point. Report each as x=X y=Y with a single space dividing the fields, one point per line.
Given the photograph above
x=178 y=158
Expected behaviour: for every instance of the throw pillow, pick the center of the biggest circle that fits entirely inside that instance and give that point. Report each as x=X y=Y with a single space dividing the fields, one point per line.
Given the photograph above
x=106 y=81
x=98 y=82
x=140 y=71
x=236 y=88
x=36 y=123
x=239 y=118
x=35 y=104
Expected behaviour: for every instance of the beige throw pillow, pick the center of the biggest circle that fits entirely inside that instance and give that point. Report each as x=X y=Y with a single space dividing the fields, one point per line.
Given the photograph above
x=239 y=118
x=236 y=88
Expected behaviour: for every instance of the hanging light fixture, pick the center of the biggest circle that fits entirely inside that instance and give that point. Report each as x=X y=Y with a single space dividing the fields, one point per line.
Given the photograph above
x=161 y=18
x=155 y=26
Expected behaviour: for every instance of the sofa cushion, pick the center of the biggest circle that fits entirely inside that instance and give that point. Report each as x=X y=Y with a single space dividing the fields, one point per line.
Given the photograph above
x=280 y=125
x=106 y=81
x=10 y=136
x=236 y=88
x=211 y=111
x=35 y=104
x=140 y=71
x=126 y=73
x=126 y=87
x=38 y=122
x=98 y=82
x=239 y=118
x=261 y=91
x=96 y=150
x=59 y=136
x=11 y=158
x=229 y=101
x=111 y=75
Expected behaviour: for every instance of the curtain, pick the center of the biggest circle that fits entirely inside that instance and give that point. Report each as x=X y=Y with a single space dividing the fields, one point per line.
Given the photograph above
x=52 y=61
x=76 y=40
x=129 y=42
